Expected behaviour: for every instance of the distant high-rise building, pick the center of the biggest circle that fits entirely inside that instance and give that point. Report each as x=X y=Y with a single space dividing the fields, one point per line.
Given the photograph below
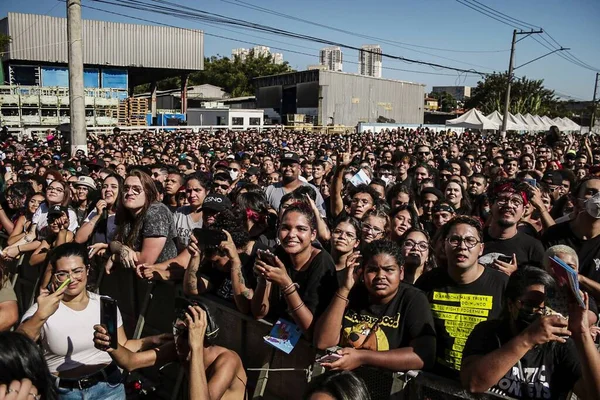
x=241 y=53
x=331 y=57
x=369 y=60
x=261 y=51
x=277 y=58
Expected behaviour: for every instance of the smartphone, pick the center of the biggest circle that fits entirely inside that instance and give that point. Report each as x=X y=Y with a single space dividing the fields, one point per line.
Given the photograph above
x=50 y=286
x=8 y=169
x=531 y=181
x=328 y=358
x=506 y=259
x=266 y=256
x=209 y=237
x=108 y=318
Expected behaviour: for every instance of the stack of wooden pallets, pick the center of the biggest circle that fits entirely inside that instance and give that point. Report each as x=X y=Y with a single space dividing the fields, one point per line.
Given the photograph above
x=132 y=112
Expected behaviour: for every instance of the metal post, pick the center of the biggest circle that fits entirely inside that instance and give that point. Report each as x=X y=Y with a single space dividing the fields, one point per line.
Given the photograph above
x=593 y=120
x=76 y=94
x=153 y=90
x=184 y=85
x=510 y=74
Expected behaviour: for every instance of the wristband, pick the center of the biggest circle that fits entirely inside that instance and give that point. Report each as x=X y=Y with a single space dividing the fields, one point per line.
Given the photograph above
x=19 y=249
x=342 y=297
x=297 y=307
x=286 y=289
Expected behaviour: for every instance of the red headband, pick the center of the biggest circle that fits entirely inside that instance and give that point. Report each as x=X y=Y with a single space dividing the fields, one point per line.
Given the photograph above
x=254 y=216
x=510 y=188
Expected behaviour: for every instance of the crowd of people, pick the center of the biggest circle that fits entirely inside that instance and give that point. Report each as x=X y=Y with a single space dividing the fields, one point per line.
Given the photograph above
x=399 y=250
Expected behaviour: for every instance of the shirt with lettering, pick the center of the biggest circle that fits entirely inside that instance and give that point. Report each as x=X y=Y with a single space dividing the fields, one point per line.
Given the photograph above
x=457 y=309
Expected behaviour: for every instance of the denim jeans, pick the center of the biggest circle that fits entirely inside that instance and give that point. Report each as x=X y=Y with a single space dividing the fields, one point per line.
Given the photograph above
x=112 y=389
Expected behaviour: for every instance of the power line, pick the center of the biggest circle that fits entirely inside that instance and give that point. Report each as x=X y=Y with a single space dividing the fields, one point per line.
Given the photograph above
x=251 y=6
x=217 y=18
x=251 y=43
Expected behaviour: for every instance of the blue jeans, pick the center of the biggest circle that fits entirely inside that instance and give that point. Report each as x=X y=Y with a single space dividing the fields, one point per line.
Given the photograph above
x=112 y=389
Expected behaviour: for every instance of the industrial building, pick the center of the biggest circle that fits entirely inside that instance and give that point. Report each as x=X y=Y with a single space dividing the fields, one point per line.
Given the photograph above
x=116 y=56
x=241 y=118
x=337 y=98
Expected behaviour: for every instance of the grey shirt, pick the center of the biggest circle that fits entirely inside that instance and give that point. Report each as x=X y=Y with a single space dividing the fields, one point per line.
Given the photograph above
x=275 y=192
x=184 y=225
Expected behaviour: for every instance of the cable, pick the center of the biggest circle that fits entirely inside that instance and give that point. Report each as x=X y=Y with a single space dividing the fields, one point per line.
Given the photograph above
x=245 y=4
x=212 y=17
x=252 y=43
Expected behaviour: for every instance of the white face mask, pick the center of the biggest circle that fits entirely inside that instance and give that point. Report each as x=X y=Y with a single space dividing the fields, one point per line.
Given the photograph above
x=49 y=181
x=592 y=206
x=234 y=174
x=386 y=180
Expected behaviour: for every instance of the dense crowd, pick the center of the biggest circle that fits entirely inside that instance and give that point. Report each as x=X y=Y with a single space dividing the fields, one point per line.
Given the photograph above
x=400 y=250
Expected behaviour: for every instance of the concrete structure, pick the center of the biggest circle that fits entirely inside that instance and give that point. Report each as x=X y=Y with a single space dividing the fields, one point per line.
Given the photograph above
x=171 y=99
x=460 y=93
x=225 y=116
x=370 y=60
x=258 y=51
x=116 y=57
x=329 y=97
x=431 y=104
x=240 y=52
x=331 y=58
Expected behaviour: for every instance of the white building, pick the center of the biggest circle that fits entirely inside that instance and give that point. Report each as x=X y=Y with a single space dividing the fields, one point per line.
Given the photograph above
x=331 y=57
x=242 y=119
x=277 y=58
x=261 y=51
x=369 y=60
x=241 y=53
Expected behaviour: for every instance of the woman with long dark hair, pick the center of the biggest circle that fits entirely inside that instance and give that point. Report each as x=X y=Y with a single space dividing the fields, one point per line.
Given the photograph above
x=418 y=255
x=146 y=231
x=402 y=218
x=23 y=221
x=85 y=197
x=16 y=201
x=458 y=197
x=345 y=239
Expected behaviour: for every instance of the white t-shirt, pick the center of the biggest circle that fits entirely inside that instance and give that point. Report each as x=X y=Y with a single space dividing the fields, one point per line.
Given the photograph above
x=184 y=224
x=41 y=219
x=68 y=336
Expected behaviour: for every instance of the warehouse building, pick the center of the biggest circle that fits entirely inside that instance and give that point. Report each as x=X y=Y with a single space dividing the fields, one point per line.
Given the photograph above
x=116 y=56
x=323 y=97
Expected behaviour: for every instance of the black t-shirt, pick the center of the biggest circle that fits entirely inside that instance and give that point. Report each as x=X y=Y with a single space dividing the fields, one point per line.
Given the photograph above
x=527 y=249
x=317 y=282
x=589 y=259
x=561 y=234
x=404 y=319
x=548 y=371
x=457 y=309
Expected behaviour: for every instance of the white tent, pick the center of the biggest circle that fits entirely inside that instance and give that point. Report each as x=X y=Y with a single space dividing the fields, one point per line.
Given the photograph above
x=548 y=120
x=511 y=123
x=472 y=119
x=531 y=123
x=572 y=126
x=517 y=123
x=521 y=119
x=540 y=122
x=561 y=124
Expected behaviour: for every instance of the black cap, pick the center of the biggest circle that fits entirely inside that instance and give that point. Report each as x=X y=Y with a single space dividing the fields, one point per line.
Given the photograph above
x=99 y=163
x=290 y=156
x=216 y=202
x=553 y=178
x=252 y=171
x=434 y=191
x=56 y=210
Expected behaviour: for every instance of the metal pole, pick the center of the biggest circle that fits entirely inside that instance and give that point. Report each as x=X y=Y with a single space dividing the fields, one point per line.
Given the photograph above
x=510 y=74
x=76 y=94
x=593 y=120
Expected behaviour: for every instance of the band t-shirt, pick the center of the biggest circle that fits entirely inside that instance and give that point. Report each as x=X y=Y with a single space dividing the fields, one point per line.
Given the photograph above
x=527 y=249
x=561 y=234
x=547 y=371
x=382 y=327
x=457 y=309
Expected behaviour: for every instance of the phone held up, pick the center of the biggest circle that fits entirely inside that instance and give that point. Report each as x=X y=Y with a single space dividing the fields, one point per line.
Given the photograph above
x=108 y=318
x=209 y=237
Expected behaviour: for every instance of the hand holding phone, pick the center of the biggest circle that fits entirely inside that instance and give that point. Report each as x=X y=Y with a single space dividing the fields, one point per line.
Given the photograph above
x=108 y=319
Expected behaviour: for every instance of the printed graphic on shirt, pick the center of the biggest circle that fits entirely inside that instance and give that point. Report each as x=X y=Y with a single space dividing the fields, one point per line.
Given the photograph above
x=460 y=313
x=532 y=383
x=366 y=333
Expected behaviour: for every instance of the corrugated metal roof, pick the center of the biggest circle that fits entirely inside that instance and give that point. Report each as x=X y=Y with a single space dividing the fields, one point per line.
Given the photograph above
x=42 y=38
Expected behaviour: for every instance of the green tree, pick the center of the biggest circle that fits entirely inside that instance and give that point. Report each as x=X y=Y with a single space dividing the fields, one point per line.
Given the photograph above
x=526 y=96
x=446 y=101
x=4 y=42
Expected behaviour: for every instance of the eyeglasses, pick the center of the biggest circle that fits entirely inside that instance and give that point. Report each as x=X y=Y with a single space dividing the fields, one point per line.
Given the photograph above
x=339 y=232
x=470 y=159
x=366 y=228
x=55 y=189
x=364 y=202
x=222 y=186
x=62 y=276
x=534 y=308
x=424 y=153
x=134 y=189
x=421 y=246
x=469 y=241
x=514 y=201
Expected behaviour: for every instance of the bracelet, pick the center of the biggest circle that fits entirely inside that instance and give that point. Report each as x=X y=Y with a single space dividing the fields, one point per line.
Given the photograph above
x=342 y=297
x=288 y=287
x=19 y=249
x=298 y=307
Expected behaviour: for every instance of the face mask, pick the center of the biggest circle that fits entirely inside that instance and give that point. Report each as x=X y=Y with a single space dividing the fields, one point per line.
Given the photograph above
x=592 y=206
x=234 y=174
x=386 y=180
x=49 y=181
x=525 y=318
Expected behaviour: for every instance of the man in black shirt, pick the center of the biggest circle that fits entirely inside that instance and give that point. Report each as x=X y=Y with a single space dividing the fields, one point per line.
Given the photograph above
x=529 y=355
x=505 y=246
x=461 y=295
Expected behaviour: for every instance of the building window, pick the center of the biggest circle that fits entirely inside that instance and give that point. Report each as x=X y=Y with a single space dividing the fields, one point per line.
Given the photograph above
x=254 y=121
x=237 y=121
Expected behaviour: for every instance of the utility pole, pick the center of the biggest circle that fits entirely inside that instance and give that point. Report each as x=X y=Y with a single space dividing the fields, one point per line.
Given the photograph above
x=76 y=94
x=510 y=75
x=594 y=104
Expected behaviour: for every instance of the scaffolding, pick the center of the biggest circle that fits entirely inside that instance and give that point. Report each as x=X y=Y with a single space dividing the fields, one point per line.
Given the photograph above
x=36 y=106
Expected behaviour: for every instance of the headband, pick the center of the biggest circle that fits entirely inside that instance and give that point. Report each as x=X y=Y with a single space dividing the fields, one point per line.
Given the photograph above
x=510 y=188
x=254 y=216
x=443 y=207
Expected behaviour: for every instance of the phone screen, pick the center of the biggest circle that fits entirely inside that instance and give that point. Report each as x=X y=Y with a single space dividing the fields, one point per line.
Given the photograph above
x=108 y=318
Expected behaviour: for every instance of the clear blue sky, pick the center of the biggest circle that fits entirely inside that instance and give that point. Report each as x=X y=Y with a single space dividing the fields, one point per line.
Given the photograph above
x=445 y=24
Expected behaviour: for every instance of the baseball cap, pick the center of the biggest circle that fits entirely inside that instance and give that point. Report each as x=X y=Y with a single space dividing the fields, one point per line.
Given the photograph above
x=290 y=156
x=252 y=171
x=216 y=202
x=56 y=210
x=553 y=178
x=85 y=181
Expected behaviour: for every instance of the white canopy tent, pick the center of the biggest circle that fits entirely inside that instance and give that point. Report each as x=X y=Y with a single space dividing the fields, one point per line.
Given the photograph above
x=572 y=126
x=521 y=119
x=473 y=119
x=517 y=122
x=511 y=124
x=532 y=123
x=540 y=122
x=548 y=120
